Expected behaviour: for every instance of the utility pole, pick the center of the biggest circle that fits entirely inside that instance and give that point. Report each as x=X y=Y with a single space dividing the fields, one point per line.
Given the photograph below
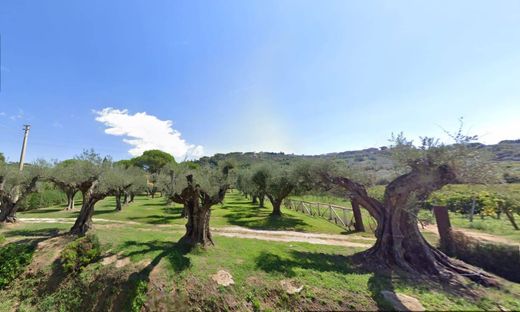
x=24 y=146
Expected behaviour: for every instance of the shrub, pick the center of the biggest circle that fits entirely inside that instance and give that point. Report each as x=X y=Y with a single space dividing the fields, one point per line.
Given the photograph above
x=500 y=259
x=13 y=260
x=2 y=239
x=139 y=296
x=80 y=253
x=47 y=195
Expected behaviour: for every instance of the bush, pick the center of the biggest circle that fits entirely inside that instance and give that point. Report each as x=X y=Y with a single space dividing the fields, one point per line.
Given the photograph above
x=139 y=296
x=2 y=239
x=47 y=195
x=80 y=253
x=13 y=260
x=500 y=259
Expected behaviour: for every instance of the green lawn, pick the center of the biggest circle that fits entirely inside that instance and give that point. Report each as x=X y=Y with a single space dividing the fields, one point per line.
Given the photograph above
x=330 y=278
x=236 y=211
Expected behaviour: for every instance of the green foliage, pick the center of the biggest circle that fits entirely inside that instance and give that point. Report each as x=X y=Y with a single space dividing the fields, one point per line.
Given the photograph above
x=153 y=160
x=139 y=296
x=80 y=253
x=46 y=196
x=487 y=202
x=13 y=260
x=2 y=239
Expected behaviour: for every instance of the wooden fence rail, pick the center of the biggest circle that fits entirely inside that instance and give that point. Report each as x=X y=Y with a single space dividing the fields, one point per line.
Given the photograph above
x=341 y=216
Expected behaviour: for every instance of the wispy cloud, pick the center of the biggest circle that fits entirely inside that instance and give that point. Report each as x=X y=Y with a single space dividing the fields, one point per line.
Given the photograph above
x=145 y=132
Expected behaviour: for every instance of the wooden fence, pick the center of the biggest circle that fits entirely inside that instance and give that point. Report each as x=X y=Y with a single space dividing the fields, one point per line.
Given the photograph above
x=338 y=215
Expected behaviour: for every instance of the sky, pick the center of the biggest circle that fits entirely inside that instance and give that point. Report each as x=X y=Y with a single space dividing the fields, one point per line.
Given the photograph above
x=195 y=78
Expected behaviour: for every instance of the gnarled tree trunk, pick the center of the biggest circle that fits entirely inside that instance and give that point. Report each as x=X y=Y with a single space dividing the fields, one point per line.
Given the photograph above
x=7 y=212
x=197 y=204
x=399 y=242
x=90 y=198
x=277 y=203
x=261 y=201
x=9 y=202
x=118 y=196
x=197 y=227
x=70 y=198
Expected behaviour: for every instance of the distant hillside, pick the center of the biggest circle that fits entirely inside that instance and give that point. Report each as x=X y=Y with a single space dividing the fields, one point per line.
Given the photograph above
x=377 y=160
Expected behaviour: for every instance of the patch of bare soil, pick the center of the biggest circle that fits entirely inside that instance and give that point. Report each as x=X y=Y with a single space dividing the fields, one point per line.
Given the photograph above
x=118 y=260
x=223 y=278
x=477 y=235
x=48 y=251
x=290 y=236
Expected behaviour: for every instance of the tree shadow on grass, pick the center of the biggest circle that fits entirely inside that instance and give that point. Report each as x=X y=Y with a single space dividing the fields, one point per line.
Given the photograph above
x=174 y=253
x=261 y=219
x=41 y=211
x=48 y=232
x=323 y=262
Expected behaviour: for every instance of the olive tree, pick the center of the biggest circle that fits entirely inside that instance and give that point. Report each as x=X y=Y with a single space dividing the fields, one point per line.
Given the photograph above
x=111 y=180
x=278 y=181
x=125 y=182
x=15 y=186
x=64 y=176
x=427 y=167
x=199 y=190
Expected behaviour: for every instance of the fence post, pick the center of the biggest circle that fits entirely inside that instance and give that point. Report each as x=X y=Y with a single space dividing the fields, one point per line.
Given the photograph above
x=358 y=218
x=444 y=227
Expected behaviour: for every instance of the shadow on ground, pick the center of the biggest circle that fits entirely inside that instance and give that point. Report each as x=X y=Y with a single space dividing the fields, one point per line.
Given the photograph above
x=245 y=214
x=323 y=262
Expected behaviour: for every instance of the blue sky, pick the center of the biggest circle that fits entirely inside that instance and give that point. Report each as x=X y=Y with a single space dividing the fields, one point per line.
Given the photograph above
x=294 y=76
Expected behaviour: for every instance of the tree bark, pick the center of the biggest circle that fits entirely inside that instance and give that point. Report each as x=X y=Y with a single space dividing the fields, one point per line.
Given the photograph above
x=197 y=227
x=277 y=203
x=255 y=200
x=126 y=200
x=84 y=221
x=90 y=198
x=358 y=218
x=132 y=195
x=197 y=204
x=261 y=201
x=70 y=199
x=399 y=242
x=118 y=201
x=7 y=212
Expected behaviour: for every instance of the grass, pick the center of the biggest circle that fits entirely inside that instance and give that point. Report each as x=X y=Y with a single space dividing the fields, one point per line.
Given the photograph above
x=330 y=277
x=236 y=211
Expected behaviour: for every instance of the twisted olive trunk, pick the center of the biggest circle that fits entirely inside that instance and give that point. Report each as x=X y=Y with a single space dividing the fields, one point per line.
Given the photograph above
x=261 y=201
x=7 y=212
x=118 y=196
x=197 y=227
x=70 y=199
x=90 y=198
x=277 y=203
x=84 y=221
x=399 y=242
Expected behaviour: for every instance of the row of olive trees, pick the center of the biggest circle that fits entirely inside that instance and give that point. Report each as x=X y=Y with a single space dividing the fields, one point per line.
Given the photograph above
x=89 y=174
x=399 y=243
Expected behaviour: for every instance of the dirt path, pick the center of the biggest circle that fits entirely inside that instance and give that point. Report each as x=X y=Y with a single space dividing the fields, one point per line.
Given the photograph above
x=478 y=235
x=240 y=232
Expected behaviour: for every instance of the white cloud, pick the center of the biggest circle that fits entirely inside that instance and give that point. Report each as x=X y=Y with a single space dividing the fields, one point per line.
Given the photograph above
x=145 y=132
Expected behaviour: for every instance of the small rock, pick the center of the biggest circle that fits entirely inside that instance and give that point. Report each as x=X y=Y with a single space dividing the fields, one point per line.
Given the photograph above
x=223 y=278
x=289 y=287
x=402 y=302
